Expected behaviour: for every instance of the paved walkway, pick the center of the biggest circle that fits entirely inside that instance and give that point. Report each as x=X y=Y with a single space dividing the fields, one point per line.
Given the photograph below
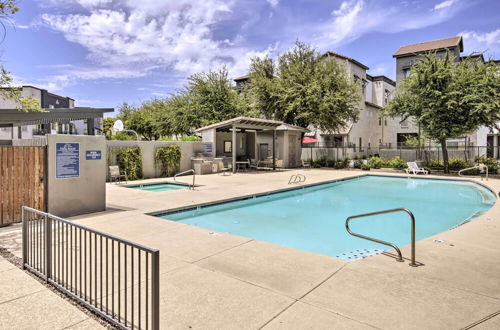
x=25 y=303
x=231 y=282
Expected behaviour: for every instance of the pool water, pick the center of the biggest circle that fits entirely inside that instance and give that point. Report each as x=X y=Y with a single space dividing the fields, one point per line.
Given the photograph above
x=160 y=187
x=313 y=218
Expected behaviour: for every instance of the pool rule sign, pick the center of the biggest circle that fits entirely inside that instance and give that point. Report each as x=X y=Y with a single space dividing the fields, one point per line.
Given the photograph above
x=67 y=160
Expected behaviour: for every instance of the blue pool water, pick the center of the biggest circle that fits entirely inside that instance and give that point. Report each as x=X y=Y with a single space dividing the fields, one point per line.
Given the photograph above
x=160 y=187
x=313 y=218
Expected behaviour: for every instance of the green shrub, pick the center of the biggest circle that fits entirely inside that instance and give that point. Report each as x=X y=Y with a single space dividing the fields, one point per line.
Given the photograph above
x=330 y=163
x=321 y=162
x=398 y=163
x=315 y=164
x=434 y=164
x=130 y=161
x=376 y=162
x=343 y=163
x=365 y=167
x=457 y=164
x=169 y=158
x=492 y=164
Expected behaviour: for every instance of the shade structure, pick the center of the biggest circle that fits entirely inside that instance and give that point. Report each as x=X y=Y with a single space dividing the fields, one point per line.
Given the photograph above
x=308 y=139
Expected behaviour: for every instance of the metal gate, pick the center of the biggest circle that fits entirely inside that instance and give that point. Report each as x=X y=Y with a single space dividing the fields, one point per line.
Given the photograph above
x=22 y=181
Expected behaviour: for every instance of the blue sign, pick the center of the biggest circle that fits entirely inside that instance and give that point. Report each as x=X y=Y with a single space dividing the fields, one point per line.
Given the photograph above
x=207 y=148
x=93 y=155
x=67 y=160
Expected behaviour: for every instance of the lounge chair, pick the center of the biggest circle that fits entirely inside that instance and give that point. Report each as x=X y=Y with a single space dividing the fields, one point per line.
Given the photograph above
x=306 y=164
x=223 y=169
x=413 y=168
x=115 y=175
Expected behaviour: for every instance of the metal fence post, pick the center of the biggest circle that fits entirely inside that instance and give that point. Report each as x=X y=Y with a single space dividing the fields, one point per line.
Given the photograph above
x=155 y=288
x=25 y=237
x=48 y=247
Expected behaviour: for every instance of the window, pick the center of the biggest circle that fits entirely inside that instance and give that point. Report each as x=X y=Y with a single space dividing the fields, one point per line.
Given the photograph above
x=360 y=144
x=380 y=122
x=385 y=122
x=387 y=96
x=406 y=73
x=228 y=146
x=404 y=123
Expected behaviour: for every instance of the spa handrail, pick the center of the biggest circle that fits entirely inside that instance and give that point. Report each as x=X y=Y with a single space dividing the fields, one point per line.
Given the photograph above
x=186 y=172
x=400 y=256
x=480 y=167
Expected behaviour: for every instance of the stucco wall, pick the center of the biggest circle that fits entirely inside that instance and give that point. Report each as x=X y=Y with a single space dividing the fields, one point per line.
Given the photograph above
x=148 y=149
x=84 y=194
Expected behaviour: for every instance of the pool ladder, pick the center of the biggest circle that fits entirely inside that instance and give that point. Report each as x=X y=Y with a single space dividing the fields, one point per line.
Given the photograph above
x=297 y=178
x=400 y=256
x=481 y=167
x=186 y=172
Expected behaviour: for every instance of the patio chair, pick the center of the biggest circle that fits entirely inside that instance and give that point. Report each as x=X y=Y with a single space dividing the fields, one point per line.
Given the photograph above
x=413 y=168
x=253 y=164
x=279 y=164
x=223 y=169
x=115 y=175
x=306 y=164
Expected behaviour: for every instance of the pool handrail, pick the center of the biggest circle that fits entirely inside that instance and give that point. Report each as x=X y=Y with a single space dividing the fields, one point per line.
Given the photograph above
x=400 y=256
x=185 y=172
x=480 y=167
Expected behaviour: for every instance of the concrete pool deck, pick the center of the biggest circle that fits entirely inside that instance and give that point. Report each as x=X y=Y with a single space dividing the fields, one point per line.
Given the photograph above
x=221 y=281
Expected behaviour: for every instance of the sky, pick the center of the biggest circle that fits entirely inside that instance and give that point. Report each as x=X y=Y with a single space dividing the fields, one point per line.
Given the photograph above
x=106 y=52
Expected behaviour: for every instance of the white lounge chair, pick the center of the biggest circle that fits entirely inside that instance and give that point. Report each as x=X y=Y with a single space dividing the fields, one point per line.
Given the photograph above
x=306 y=164
x=223 y=169
x=413 y=168
x=116 y=175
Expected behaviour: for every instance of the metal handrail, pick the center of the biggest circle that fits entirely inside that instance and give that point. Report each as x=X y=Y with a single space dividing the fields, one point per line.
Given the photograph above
x=185 y=172
x=297 y=178
x=480 y=167
x=400 y=256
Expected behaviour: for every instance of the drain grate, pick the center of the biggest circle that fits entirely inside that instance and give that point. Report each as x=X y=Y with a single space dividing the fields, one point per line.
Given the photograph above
x=359 y=254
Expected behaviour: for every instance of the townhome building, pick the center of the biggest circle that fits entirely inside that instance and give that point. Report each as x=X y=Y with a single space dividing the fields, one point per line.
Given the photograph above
x=58 y=115
x=487 y=140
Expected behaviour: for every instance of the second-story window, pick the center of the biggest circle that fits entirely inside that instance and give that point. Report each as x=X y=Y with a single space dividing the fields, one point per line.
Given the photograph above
x=387 y=96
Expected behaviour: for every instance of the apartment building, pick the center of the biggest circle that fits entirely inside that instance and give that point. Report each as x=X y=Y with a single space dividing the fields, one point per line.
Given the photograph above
x=60 y=116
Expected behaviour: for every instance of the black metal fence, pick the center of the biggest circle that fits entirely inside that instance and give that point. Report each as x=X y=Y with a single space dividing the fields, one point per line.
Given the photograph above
x=116 y=278
x=407 y=153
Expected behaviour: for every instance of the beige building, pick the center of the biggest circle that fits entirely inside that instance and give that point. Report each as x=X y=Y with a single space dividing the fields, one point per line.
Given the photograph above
x=370 y=130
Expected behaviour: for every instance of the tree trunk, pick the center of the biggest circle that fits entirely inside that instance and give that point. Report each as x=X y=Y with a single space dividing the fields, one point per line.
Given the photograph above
x=445 y=155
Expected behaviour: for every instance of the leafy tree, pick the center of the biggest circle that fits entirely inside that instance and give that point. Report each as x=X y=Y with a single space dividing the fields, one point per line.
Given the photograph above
x=303 y=88
x=449 y=98
x=107 y=127
x=8 y=8
x=212 y=98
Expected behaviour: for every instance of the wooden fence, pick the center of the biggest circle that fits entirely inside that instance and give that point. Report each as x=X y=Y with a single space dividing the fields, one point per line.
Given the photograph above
x=22 y=181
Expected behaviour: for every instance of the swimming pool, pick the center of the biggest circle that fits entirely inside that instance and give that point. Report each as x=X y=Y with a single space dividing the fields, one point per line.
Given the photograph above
x=159 y=187
x=313 y=218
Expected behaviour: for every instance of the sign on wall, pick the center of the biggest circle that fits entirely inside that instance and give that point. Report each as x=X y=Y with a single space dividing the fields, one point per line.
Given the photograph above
x=93 y=155
x=207 y=148
x=67 y=160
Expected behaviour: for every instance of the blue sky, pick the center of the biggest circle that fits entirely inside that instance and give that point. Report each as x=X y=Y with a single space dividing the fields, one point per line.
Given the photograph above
x=105 y=52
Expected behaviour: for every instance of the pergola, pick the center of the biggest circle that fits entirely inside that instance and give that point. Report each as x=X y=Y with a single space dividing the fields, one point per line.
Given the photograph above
x=244 y=123
x=16 y=117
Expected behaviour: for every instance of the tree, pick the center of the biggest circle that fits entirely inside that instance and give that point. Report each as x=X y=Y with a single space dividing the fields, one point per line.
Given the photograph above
x=107 y=127
x=8 y=8
x=449 y=98
x=212 y=98
x=303 y=88
x=141 y=120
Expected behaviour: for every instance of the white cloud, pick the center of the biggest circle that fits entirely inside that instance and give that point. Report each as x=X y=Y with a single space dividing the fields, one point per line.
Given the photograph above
x=444 y=4
x=273 y=3
x=85 y=102
x=488 y=42
x=174 y=35
x=354 y=18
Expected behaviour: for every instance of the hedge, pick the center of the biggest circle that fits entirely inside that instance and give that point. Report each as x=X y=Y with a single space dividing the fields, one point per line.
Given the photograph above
x=130 y=161
x=169 y=159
